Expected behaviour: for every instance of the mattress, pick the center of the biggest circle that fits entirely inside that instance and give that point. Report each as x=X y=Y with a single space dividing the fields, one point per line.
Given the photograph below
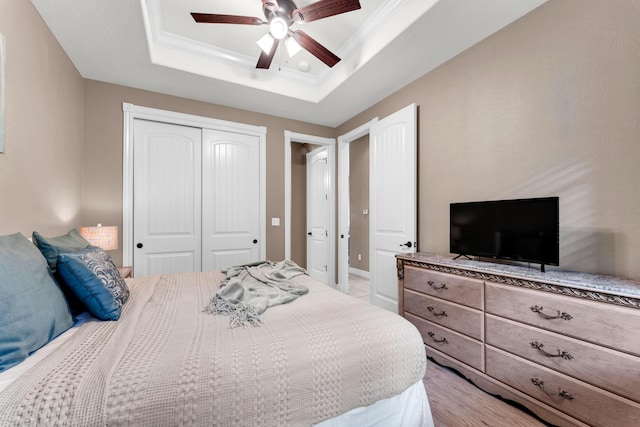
x=323 y=356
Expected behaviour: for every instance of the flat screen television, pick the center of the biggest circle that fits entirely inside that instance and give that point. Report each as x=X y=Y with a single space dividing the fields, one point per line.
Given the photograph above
x=519 y=230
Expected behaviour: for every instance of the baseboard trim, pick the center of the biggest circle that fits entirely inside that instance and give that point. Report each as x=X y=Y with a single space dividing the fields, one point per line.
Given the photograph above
x=359 y=273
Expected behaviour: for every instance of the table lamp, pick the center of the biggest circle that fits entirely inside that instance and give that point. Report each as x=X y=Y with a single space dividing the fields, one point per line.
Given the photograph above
x=106 y=238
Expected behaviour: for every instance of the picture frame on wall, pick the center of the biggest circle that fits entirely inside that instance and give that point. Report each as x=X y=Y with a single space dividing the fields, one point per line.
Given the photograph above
x=3 y=55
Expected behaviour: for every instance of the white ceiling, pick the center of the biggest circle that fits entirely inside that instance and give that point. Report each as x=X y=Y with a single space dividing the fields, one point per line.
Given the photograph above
x=155 y=45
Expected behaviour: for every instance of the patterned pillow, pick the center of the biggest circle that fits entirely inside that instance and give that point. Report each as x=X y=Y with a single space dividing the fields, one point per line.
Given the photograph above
x=94 y=278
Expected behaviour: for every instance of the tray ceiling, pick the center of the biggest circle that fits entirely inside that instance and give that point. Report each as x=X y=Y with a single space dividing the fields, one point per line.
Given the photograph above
x=155 y=45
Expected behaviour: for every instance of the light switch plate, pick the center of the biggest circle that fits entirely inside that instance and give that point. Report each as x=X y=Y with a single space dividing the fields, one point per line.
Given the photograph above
x=275 y=222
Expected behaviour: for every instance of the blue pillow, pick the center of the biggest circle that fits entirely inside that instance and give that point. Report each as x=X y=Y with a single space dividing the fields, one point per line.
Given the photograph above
x=94 y=278
x=52 y=247
x=33 y=310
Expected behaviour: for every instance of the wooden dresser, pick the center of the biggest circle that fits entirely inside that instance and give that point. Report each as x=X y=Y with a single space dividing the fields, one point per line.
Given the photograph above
x=566 y=345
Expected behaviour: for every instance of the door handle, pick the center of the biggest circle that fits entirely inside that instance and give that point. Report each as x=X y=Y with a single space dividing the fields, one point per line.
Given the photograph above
x=309 y=233
x=408 y=244
x=255 y=241
x=139 y=245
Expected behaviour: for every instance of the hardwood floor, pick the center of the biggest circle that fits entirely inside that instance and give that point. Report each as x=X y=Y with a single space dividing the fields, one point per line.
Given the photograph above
x=454 y=401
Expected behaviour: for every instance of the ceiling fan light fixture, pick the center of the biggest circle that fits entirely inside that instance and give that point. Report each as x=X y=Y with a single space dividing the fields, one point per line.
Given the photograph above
x=278 y=28
x=266 y=43
x=292 y=46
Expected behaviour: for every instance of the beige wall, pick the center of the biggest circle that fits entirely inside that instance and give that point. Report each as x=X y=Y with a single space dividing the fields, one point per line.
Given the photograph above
x=41 y=169
x=102 y=177
x=359 y=200
x=548 y=106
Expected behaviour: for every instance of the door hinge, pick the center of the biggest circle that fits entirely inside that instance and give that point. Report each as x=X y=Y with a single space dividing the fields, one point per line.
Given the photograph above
x=325 y=268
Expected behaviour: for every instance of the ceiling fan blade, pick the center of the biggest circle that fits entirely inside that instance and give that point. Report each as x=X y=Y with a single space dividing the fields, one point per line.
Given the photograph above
x=324 y=9
x=315 y=48
x=212 y=18
x=272 y=5
x=265 y=58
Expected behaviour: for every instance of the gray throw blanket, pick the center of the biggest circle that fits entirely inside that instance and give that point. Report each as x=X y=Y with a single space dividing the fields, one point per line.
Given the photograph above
x=248 y=290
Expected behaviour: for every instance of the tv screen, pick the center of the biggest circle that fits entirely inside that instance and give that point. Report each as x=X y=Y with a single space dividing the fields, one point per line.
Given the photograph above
x=520 y=230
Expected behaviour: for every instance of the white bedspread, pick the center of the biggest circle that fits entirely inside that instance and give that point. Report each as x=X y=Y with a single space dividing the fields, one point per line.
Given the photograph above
x=166 y=363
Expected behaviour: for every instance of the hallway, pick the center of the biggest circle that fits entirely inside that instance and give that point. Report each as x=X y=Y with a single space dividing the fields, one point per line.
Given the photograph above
x=359 y=287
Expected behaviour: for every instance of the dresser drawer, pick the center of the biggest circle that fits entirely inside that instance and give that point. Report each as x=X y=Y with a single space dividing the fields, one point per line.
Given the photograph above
x=461 y=347
x=458 y=289
x=606 y=324
x=454 y=316
x=585 y=402
x=609 y=369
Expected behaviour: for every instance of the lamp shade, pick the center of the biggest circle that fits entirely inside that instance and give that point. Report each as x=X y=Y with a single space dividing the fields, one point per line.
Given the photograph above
x=266 y=43
x=105 y=238
x=292 y=46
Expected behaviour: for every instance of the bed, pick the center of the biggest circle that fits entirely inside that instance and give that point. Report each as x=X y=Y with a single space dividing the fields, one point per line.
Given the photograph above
x=323 y=359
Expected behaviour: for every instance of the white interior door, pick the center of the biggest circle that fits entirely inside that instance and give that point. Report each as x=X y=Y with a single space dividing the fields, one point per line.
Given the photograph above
x=393 y=181
x=318 y=211
x=166 y=198
x=230 y=199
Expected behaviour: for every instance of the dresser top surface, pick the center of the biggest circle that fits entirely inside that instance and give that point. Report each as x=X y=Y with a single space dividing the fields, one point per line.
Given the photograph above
x=573 y=279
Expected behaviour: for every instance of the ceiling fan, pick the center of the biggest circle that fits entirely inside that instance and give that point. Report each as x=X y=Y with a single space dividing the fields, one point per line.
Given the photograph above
x=280 y=15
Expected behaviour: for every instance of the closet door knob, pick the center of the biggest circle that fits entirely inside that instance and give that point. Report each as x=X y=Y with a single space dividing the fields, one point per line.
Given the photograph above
x=139 y=245
x=255 y=241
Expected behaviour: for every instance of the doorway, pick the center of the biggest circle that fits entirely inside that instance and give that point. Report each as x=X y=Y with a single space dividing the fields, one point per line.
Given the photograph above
x=296 y=144
x=344 y=205
x=309 y=208
x=358 y=238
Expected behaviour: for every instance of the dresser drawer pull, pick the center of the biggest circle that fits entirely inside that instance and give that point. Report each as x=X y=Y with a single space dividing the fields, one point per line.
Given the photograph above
x=538 y=346
x=433 y=310
x=432 y=335
x=443 y=286
x=562 y=393
x=559 y=315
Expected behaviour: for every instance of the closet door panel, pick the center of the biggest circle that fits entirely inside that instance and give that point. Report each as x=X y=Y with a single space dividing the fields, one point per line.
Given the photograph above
x=230 y=199
x=167 y=223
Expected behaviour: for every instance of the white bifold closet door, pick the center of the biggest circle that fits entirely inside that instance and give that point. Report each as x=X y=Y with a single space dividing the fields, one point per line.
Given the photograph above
x=196 y=197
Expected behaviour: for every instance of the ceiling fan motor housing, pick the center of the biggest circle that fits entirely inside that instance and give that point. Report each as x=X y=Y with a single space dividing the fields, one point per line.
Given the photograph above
x=284 y=9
